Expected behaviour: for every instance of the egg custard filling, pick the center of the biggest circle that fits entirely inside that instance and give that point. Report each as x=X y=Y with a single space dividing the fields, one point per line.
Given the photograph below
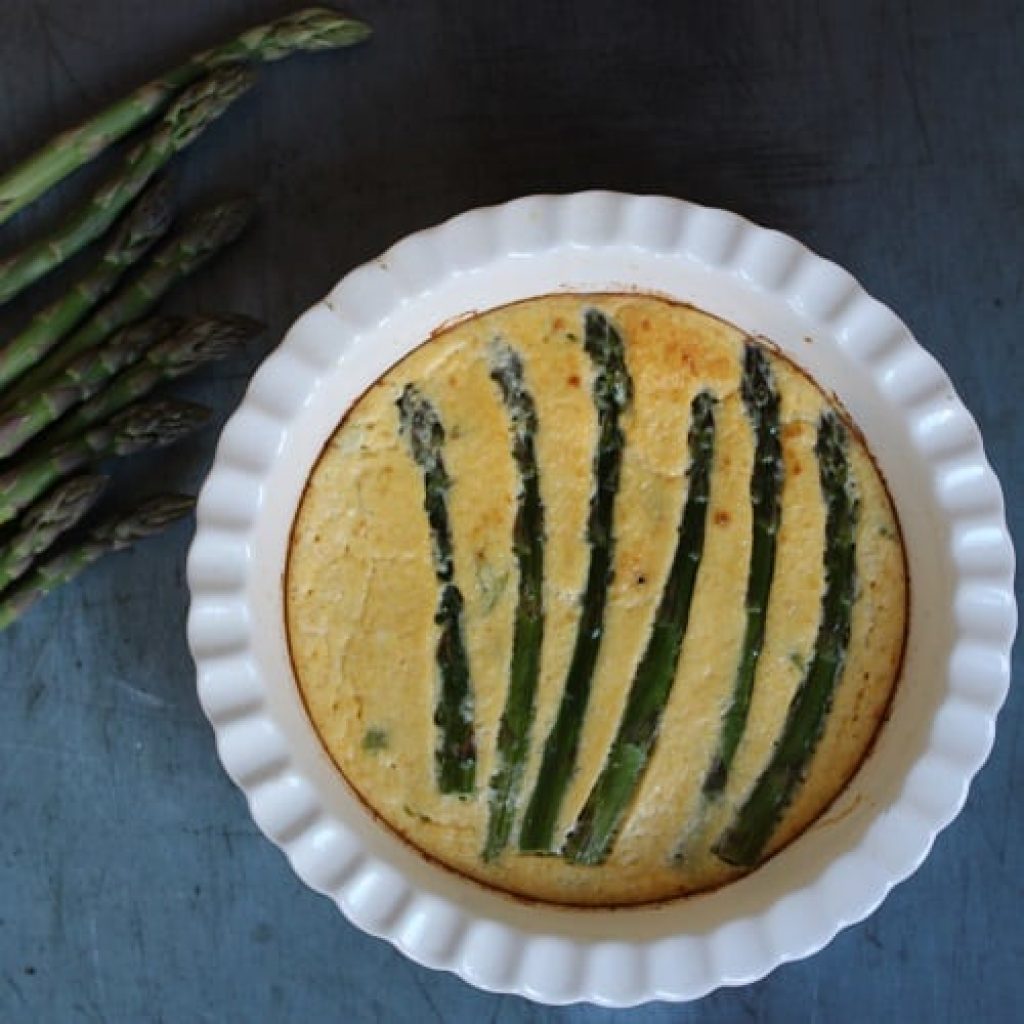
x=596 y=599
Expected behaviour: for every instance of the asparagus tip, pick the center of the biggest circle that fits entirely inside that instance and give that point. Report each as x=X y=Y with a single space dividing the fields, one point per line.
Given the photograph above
x=65 y=500
x=205 y=338
x=324 y=29
x=161 y=421
x=220 y=224
x=206 y=100
x=145 y=222
x=146 y=519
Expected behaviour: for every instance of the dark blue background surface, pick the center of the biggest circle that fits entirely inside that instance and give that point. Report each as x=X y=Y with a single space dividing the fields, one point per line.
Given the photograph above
x=887 y=136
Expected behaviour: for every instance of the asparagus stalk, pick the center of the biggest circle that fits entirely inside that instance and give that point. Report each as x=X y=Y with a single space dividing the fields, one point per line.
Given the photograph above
x=612 y=393
x=199 y=341
x=196 y=108
x=310 y=29
x=591 y=838
x=148 y=220
x=762 y=404
x=745 y=839
x=113 y=534
x=199 y=239
x=47 y=520
x=80 y=379
x=513 y=742
x=455 y=754
x=151 y=424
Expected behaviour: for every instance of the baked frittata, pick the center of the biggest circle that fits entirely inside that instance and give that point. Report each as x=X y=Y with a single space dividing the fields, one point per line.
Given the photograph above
x=595 y=599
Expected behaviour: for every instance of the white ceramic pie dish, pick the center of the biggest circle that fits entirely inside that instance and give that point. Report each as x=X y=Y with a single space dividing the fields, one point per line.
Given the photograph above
x=962 y=616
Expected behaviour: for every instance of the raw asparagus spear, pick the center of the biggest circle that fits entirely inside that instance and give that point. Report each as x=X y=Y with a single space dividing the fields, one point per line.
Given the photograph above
x=513 y=742
x=592 y=836
x=762 y=404
x=148 y=220
x=151 y=424
x=197 y=342
x=49 y=518
x=199 y=239
x=191 y=113
x=455 y=754
x=310 y=29
x=80 y=379
x=745 y=839
x=113 y=534
x=612 y=393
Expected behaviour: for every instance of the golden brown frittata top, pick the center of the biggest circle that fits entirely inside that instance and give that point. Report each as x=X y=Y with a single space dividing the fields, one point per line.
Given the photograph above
x=448 y=553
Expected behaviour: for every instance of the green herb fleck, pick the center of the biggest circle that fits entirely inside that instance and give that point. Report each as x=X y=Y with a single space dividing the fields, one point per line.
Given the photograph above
x=375 y=738
x=418 y=815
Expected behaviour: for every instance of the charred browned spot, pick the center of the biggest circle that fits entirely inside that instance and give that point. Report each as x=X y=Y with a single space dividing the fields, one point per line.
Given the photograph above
x=797 y=467
x=453 y=381
x=645 y=324
x=573 y=381
x=558 y=323
x=722 y=518
x=641 y=579
x=793 y=429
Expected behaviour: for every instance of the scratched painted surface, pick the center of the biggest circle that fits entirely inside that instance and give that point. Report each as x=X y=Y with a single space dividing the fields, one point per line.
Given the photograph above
x=887 y=136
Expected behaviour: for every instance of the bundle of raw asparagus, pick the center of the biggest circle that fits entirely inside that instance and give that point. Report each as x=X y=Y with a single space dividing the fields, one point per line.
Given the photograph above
x=75 y=381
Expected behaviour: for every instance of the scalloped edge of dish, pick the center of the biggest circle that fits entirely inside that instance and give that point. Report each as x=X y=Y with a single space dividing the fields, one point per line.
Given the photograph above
x=551 y=955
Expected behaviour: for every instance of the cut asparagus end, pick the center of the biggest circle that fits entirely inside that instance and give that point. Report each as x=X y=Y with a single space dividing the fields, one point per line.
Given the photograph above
x=591 y=838
x=744 y=842
x=762 y=405
x=612 y=391
x=513 y=742
x=455 y=754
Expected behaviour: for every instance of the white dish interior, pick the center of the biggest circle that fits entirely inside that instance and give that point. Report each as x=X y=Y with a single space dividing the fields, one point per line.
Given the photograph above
x=962 y=615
